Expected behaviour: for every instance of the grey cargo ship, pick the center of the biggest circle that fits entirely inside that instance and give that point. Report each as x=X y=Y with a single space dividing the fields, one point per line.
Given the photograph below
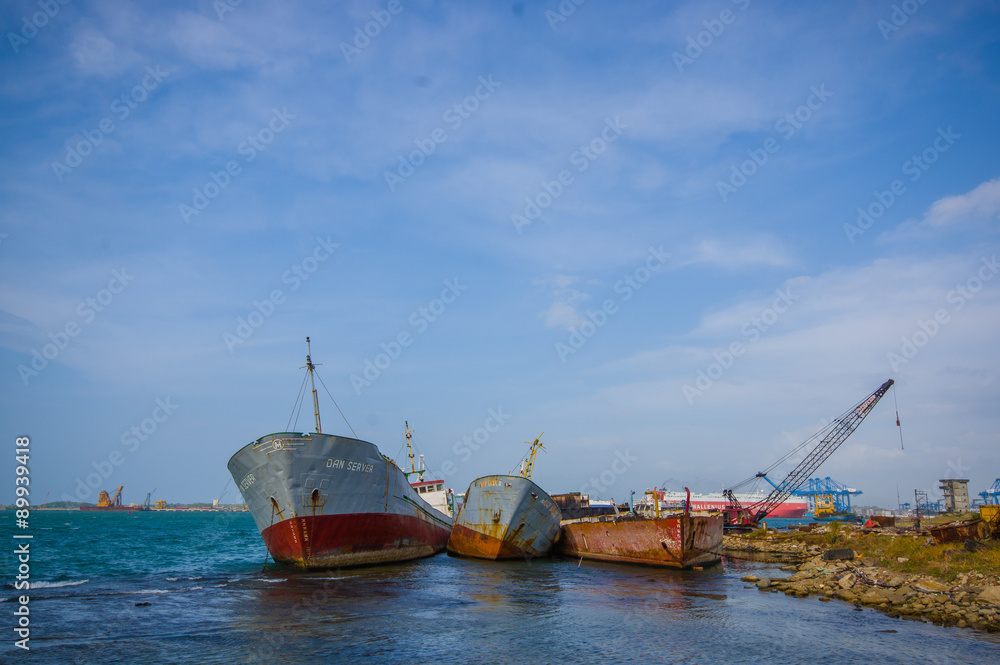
x=327 y=501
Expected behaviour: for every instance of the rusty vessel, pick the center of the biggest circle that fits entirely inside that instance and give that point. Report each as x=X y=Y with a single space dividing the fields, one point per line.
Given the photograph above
x=969 y=530
x=326 y=501
x=114 y=503
x=506 y=517
x=681 y=540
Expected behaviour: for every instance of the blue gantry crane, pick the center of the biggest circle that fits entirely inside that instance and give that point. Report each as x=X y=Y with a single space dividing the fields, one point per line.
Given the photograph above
x=839 y=493
x=991 y=497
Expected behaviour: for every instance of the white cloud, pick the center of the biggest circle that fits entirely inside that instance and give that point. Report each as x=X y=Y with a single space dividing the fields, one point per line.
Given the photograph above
x=95 y=54
x=209 y=43
x=983 y=201
x=736 y=254
x=562 y=313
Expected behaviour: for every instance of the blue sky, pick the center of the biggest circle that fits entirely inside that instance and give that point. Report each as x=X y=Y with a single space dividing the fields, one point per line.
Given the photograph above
x=674 y=237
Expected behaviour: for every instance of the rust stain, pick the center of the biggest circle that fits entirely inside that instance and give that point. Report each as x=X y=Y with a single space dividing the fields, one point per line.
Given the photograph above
x=505 y=517
x=972 y=530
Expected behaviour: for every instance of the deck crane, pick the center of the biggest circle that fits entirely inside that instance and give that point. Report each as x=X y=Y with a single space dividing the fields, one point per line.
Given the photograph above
x=835 y=434
x=528 y=464
x=104 y=501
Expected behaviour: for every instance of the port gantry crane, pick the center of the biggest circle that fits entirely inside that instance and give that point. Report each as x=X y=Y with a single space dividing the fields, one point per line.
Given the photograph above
x=836 y=433
x=992 y=493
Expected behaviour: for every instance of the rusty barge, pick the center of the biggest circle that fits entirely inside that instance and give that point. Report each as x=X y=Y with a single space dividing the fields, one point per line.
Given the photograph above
x=506 y=517
x=681 y=540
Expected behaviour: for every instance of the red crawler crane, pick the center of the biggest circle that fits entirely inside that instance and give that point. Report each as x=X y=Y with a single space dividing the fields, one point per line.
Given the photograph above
x=738 y=516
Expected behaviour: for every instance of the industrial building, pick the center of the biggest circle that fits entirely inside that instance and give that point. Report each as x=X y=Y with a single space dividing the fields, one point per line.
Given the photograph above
x=956 y=494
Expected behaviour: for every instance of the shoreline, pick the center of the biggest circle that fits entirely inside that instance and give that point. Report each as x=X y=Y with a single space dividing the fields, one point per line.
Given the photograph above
x=941 y=584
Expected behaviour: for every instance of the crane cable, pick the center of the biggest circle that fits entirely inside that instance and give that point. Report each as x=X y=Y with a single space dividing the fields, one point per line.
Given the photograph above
x=836 y=422
x=896 y=404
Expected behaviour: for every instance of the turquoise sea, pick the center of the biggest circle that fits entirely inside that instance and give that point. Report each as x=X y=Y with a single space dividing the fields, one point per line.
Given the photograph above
x=210 y=600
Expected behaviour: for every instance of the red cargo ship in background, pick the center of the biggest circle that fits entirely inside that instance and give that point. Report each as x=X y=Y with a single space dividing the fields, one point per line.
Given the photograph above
x=718 y=501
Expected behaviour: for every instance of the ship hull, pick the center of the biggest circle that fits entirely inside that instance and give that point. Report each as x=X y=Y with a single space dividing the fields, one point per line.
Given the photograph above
x=505 y=517
x=674 y=542
x=322 y=501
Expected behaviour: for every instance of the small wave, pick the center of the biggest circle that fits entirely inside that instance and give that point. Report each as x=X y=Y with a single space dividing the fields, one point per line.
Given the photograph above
x=196 y=588
x=56 y=585
x=193 y=579
x=172 y=579
x=144 y=591
x=270 y=581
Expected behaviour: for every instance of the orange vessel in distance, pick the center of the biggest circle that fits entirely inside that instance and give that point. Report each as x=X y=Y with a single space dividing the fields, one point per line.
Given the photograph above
x=106 y=503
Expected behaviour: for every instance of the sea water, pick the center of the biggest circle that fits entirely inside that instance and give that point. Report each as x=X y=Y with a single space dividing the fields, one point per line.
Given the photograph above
x=211 y=600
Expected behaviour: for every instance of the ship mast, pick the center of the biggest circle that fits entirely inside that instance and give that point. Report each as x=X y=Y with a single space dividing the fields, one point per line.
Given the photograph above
x=409 y=448
x=310 y=366
x=530 y=463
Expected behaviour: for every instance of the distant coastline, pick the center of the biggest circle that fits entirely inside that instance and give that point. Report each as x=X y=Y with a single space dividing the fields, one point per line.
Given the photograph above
x=170 y=507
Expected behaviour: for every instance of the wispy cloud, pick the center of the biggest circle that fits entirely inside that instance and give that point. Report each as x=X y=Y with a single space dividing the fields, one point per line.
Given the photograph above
x=981 y=202
x=563 y=312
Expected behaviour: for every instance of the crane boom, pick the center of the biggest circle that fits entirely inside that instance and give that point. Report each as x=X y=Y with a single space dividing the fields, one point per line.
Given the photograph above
x=841 y=428
x=528 y=465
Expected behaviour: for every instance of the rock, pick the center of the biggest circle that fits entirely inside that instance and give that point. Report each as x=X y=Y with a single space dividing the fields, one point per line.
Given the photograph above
x=975 y=546
x=847 y=581
x=845 y=595
x=991 y=595
x=930 y=586
x=763 y=583
x=838 y=555
x=896 y=582
x=872 y=598
x=901 y=559
x=749 y=578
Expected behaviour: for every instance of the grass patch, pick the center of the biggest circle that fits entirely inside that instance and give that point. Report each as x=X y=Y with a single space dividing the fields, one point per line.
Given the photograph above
x=922 y=559
x=833 y=532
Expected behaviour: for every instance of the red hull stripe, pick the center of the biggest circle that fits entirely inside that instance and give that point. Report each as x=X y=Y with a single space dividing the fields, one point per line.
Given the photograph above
x=357 y=539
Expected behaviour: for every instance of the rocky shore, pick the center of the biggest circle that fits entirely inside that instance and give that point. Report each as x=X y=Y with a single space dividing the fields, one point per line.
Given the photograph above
x=838 y=572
